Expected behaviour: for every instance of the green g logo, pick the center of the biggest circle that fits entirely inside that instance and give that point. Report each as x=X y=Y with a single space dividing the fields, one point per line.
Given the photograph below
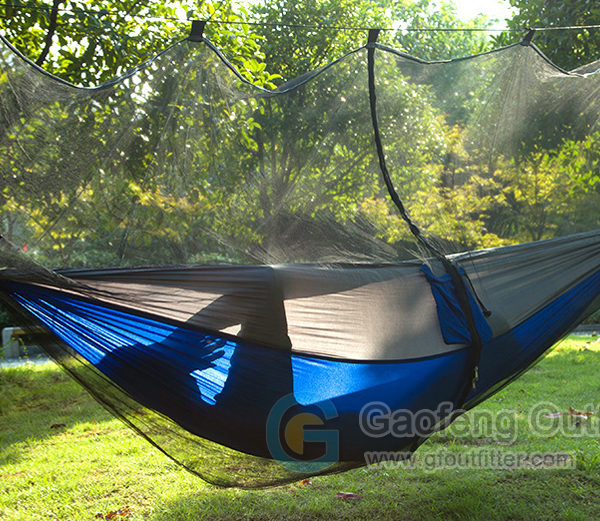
x=289 y=435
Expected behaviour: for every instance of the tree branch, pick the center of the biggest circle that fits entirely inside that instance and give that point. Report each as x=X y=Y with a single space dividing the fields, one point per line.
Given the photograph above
x=132 y=7
x=51 y=31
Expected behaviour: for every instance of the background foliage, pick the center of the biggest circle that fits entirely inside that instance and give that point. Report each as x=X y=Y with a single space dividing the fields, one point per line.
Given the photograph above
x=550 y=187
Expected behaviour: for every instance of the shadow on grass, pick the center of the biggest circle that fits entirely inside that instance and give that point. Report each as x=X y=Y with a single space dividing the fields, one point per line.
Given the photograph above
x=38 y=402
x=443 y=495
x=34 y=398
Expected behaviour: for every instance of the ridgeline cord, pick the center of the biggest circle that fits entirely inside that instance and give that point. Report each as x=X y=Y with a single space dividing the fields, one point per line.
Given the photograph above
x=106 y=12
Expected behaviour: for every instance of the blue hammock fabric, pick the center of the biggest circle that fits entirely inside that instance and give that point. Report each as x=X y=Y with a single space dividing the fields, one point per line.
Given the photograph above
x=204 y=381
x=221 y=388
x=452 y=317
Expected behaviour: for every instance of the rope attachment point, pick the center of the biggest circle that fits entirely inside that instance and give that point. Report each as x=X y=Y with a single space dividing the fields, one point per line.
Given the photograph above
x=197 y=31
x=528 y=37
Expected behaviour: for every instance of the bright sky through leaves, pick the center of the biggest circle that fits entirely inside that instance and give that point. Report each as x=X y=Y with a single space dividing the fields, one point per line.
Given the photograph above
x=499 y=9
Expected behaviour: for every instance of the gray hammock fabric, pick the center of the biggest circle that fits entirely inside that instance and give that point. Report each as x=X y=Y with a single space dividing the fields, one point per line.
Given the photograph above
x=237 y=272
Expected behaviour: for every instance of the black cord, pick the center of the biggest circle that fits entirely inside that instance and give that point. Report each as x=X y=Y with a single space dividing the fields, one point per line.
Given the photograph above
x=451 y=267
x=105 y=12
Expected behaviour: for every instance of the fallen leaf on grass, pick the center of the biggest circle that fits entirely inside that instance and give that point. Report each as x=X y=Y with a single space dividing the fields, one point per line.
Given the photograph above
x=113 y=514
x=579 y=414
x=306 y=481
x=347 y=496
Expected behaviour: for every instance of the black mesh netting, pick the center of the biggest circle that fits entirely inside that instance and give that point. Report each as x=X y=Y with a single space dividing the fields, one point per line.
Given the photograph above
x=205 y=196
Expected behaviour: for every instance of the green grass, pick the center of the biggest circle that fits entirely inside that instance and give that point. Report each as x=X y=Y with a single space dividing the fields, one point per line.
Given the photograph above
x=94 y=464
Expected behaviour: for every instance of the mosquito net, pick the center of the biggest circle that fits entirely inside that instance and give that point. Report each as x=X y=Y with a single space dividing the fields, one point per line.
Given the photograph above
x=196 y=250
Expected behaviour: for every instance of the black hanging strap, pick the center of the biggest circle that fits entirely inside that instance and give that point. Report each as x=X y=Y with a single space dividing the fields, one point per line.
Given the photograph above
x=373 y=35
x=528 y=37
x=451 y=268
x=197 y=31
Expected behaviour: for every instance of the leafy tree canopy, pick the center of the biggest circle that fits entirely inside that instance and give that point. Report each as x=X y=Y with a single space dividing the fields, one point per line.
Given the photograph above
x=87 y=43
x=262 y=168
x=437 y=45
x=567 y=48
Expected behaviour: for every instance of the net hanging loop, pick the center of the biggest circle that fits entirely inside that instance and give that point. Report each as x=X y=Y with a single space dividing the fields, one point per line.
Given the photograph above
x=373 y=35
x=197 y=31
x=528 y=37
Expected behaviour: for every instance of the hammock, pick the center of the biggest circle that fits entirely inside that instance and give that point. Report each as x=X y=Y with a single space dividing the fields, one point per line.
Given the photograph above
x=265 y=293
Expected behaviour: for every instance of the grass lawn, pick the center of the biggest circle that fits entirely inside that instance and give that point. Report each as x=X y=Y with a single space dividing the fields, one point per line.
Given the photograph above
x=93 y=465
